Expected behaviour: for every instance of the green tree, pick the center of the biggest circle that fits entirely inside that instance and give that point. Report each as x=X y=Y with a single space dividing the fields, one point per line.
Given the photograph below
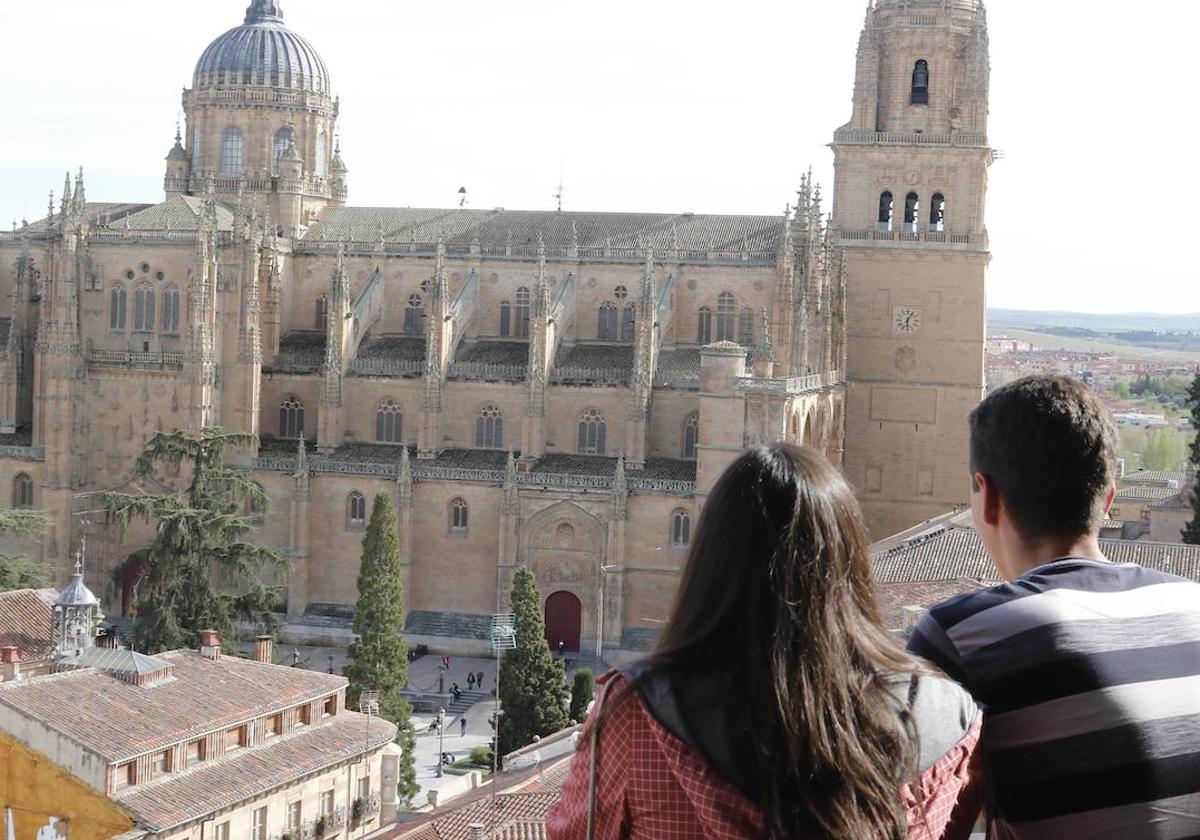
x=1163 y=450
x=197 y=573
x=533 y=684
x=378 y=658
x=1191 y=531
x=1121 y=389
x=21 y=572
x=581 y=694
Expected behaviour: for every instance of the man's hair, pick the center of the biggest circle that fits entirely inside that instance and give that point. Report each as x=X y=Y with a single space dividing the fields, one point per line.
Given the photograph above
x=1050 y=448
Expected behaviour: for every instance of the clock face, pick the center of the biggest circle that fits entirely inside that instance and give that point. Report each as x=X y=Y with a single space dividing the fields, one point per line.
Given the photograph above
x=906 y=319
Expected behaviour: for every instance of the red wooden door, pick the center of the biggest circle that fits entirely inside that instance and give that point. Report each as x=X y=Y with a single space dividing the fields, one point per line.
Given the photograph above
x=564 y=618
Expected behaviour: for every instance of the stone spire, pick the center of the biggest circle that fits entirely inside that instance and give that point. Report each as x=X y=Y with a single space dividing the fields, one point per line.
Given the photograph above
x=264 y=11
x=301 y=458
x=404 y=480
x=620 y=490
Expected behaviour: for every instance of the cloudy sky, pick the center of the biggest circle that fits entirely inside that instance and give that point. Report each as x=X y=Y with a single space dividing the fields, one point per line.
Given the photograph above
x=653 y=106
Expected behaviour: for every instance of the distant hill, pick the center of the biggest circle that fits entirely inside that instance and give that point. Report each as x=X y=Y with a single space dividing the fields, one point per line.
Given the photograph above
x=1117 y=323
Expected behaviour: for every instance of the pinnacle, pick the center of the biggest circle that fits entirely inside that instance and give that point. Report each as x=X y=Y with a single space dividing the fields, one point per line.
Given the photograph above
x=262 y=11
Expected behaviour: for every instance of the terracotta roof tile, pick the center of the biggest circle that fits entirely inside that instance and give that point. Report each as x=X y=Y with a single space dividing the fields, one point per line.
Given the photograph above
x=26 y=621
x=1144 y=493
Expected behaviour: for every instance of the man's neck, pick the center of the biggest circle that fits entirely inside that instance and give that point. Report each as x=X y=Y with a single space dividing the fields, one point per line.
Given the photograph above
x=1023 y=556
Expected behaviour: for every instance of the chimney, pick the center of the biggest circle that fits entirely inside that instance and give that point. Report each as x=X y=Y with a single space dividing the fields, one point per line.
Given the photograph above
x=10 y=666
x=210 y=644
x=475 y=831
x=264 y=649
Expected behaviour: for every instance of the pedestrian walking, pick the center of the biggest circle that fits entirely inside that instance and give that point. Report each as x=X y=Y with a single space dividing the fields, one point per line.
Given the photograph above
x=462 y=726
x=561 y=647
x=471 y=681
x=479 y=680
x=457 y=693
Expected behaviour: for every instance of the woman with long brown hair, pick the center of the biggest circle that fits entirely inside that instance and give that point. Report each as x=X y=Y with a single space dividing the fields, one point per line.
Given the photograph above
x=776 y=704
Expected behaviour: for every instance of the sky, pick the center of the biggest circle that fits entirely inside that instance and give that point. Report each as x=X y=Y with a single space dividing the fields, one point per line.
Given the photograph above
x=659 y=106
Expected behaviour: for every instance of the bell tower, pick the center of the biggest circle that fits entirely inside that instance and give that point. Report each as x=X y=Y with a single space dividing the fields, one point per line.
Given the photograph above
x=910 y=181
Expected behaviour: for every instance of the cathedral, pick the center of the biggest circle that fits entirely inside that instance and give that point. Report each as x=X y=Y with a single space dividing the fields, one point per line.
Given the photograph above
x=555 y=390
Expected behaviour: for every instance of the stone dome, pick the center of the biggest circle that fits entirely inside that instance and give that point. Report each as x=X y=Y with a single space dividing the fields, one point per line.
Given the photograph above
x=263 y=52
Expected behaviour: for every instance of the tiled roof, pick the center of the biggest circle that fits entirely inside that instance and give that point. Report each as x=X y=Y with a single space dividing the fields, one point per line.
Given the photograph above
x=379 y=453
x=94 y=211
x=394 y=348
x=212 y=786
x=894 y=597
x=1141 y=493
x=299 y=352
x=494 y=227
x=1154 y=477
x=617 y=358
x=953 y=551
x=180 y=212
x=1180 y=501
x=682 y=363
x=669 y=469
x=118 y=720
x=23 y=436
x=562 y=463
x=494 y=352
x=26 y=621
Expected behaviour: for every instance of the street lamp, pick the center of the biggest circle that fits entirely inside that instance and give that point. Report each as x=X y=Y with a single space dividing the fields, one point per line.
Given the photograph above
x=368 y=704
x=441 y=737
x=604 y=570
x=504 y=637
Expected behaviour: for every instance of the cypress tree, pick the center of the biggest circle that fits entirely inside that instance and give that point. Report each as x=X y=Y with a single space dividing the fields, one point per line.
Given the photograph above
x=533 y=685
x=581 y=694
x=1191 y=531
x=197 y=542
x=21 y=572
x=378 y=658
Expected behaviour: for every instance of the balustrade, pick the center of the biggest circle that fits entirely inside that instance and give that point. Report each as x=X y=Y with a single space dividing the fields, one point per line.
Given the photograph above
x=387 y=367
x=857 y=137
x=137 y=359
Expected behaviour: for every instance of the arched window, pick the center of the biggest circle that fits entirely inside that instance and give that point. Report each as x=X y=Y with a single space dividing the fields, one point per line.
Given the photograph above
x=322 y=155
x=143 y=309
x=523 y=298
x=196 y=149
x=356 y=510
x=591 y=432
x=681 y=529
x=937 y=213
x=231 y=152
x=704 y=329
x=278 y=146
x=321 y=316
x=116 y=308
x=726 y=307
x=291 y=418
x=170 y=314
x=489 y=428
x=505 y=318
x=885 y=210
x=414 y=316
x=389 y=423
x=22 y=497
x=912 y=211
x=459 y=513
x=920 y=83
x=746 y=327
x=606 y=324
x=628 y=322
x=691 y=436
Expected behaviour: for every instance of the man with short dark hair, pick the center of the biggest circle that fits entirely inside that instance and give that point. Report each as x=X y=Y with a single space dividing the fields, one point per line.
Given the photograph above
x=1088 y=671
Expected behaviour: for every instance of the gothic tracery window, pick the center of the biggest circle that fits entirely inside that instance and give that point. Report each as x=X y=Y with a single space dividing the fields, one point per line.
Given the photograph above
x=389 y=423
x=681 y=529
x=726 y=307
x=746 y=327
x=322 y=156
x=356 y=510
x=170 y=311
x=920 y=83
x=606 y=322
x=414 y=316
x=505 y=318
x=459 y=516
x=143 y=309
x=279 y=145
x=628 y=321
x=118 y=299
x=592 y=432
x=231 y=152
x=291 y=418
x=691 y=436
x=195 y=150
x=704 y=328
x=522 y=313
x=489 y=428
x=321 y=315
x=22 y=494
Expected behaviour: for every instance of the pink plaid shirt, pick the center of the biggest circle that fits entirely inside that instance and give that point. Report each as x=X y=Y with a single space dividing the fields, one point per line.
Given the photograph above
x=651 y=785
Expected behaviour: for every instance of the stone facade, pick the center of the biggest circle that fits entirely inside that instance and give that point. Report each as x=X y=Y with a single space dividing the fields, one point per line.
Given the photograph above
x=551 y=389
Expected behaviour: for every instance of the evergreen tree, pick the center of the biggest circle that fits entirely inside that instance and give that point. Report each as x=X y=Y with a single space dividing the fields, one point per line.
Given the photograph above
x=533 y=685
x=1191 y=531
x=197 y=543
x=378 y=658
x=581 y=694
x=21 y=572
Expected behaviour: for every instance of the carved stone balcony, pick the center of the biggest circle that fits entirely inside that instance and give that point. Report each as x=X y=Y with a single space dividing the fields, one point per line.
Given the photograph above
x=920 y=239
x=135 y=359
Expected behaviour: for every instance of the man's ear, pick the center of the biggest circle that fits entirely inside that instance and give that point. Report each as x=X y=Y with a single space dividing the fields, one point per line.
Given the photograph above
x=991 y=503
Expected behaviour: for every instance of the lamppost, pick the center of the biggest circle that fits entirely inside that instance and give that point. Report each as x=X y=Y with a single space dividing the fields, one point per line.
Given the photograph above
x=368 y=704
x=504 y=637
x=441 y=737
x=604 y=570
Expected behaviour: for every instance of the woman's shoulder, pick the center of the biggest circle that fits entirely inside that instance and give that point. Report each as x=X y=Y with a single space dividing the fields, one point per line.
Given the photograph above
x=942 y=710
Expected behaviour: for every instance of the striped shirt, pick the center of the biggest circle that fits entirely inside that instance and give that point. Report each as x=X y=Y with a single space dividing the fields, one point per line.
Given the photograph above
x=1089 y=676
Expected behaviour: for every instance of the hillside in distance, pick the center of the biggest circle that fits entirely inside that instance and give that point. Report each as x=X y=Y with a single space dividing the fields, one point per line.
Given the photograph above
x=1107 y=324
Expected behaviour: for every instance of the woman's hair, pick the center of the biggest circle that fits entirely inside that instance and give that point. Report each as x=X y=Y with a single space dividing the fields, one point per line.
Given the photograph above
x=778 y=597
